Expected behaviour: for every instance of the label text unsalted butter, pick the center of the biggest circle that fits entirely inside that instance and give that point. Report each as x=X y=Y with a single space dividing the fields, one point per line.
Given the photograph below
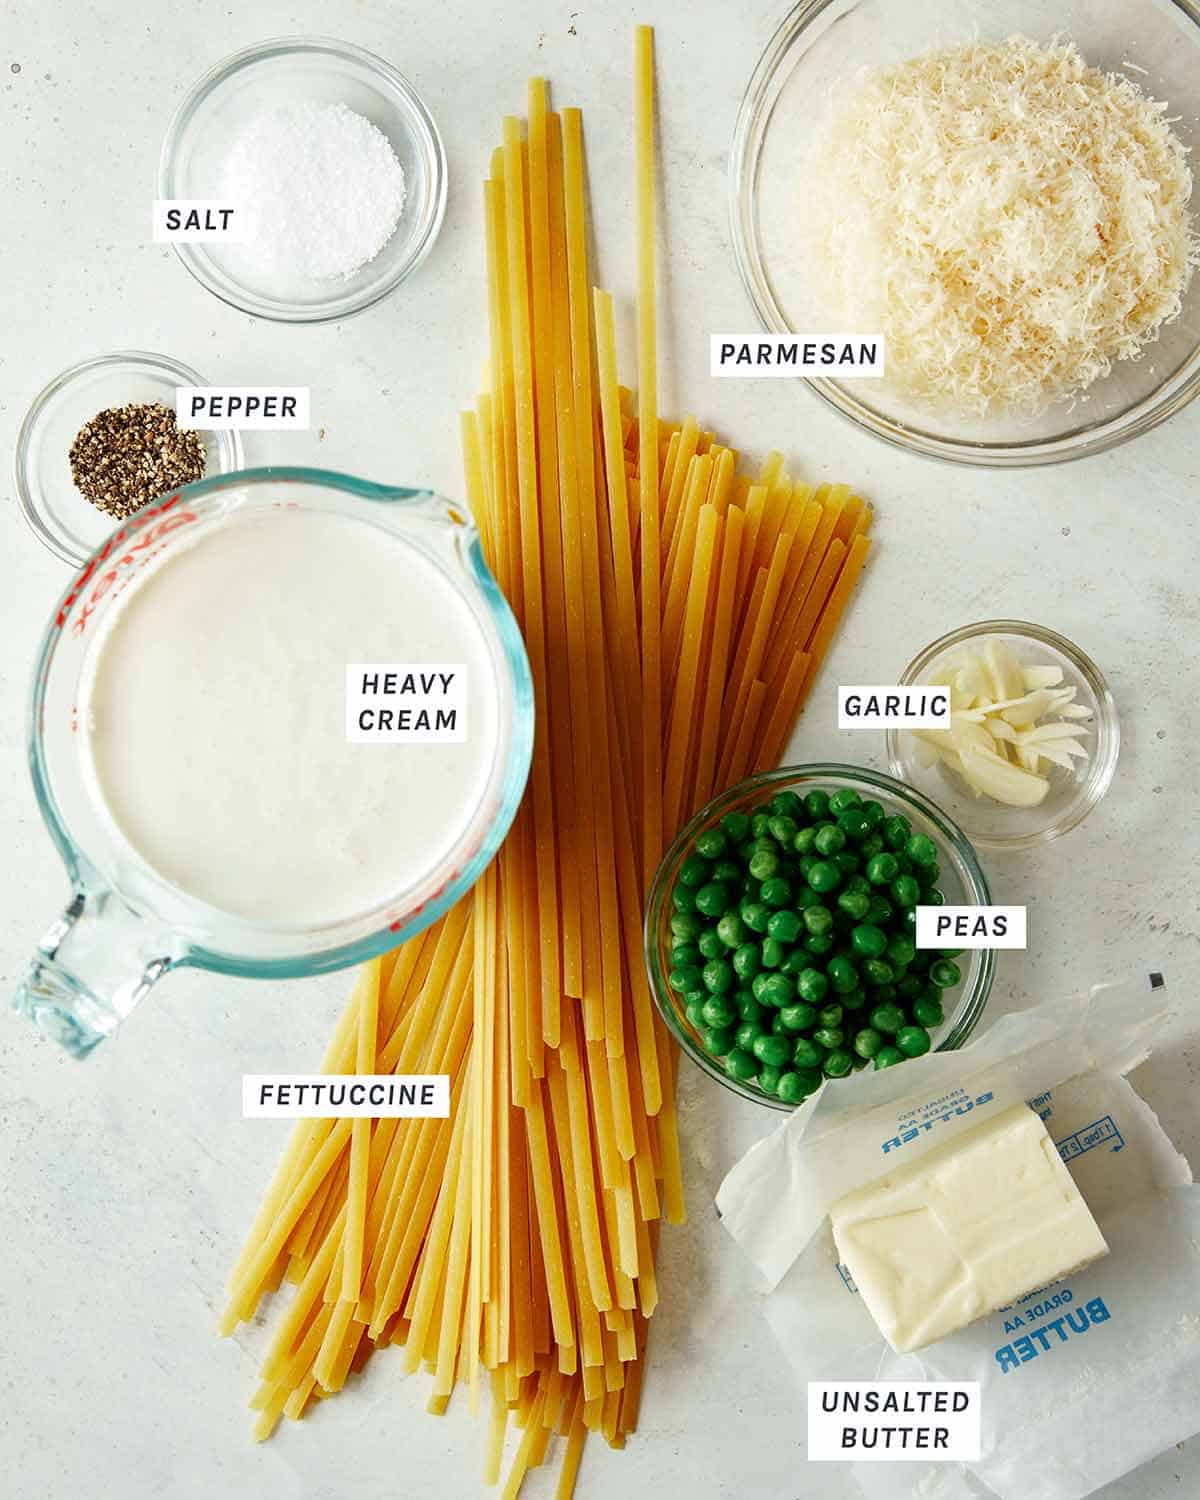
x=873 y=1420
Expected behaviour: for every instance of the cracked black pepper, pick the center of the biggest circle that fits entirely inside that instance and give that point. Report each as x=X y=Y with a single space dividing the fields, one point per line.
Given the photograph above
x=127 y=456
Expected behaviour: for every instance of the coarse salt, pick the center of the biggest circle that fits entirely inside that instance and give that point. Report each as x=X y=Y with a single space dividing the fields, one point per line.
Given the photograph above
x=320 y=186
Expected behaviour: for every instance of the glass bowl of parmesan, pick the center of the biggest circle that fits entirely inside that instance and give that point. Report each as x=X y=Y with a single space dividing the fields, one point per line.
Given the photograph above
x=301 y=179
x=999 y=190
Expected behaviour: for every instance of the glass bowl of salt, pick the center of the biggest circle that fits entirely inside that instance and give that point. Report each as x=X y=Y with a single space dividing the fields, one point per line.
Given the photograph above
x=315 y=179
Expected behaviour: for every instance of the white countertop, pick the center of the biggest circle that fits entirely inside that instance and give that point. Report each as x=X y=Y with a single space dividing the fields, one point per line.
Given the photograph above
x=131 y=1179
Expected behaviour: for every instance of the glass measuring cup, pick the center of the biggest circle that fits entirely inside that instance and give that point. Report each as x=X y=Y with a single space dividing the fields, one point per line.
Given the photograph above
x=125 y=925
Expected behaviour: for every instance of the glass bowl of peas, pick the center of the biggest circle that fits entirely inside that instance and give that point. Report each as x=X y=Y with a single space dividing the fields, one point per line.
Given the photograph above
x=780 y=931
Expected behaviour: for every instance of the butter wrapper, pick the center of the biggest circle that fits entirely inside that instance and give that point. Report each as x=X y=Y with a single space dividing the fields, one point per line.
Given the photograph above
x=1081 y=1381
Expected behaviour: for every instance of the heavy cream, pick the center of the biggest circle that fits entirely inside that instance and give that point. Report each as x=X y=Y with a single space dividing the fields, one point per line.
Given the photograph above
x=214 y=717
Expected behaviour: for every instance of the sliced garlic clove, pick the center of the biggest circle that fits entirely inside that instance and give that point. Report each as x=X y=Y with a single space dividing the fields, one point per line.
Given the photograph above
x=1004 y=669
x=997 y=778
x=1041 y=677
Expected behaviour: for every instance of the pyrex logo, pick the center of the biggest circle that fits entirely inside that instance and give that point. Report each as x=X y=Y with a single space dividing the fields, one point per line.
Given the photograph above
x=913 y=1131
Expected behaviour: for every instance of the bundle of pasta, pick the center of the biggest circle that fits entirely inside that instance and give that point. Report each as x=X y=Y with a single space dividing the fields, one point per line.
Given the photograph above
x=675 y=613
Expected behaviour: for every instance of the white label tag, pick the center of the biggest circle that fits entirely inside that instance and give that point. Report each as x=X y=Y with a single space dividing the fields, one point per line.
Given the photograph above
x=810 y=356
x=893 y=707
x=876 y=1420
x=189 y=220
x=345 y=1096
x=970 y=927
x=403 y=703
x=249 y=408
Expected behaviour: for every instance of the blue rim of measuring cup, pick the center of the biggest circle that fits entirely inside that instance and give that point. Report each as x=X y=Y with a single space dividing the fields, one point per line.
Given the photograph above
x=84 y=875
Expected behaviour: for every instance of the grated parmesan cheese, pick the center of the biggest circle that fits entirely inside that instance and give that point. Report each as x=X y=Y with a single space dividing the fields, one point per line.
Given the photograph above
x=1010 y=219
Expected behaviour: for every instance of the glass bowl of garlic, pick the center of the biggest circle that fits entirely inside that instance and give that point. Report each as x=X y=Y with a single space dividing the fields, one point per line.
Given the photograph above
x=1033 y=738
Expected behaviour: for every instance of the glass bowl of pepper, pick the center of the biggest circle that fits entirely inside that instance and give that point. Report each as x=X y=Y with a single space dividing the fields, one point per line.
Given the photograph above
x=780 y=931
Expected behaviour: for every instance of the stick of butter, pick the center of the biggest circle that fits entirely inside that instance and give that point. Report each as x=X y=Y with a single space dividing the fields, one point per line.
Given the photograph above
x=964 y=1230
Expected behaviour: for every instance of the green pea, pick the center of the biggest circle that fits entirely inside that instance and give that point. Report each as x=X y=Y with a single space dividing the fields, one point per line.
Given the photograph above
x=759 y=823
x=880 y=911
x=812 y=985
x=888 y=1018
x=795 y=963
x=747 y=1034
x=773 y=953
x=881 y=868
x=928 y=875
x=877 y=972
x=741 y=1065
x=749 y=1008
x=807 y=1054
x=720 y=1010
x=783 y=828
x=684 y=953
x=818 y=920
x=710 y=944
x=824 y=876
x=838 y=1064
x=718 y=975
x=829 y=1037
x=807 y=861
x=683 y=979
x=818 y=943
x=844 y=798
x=768 y=1078
x=921 y=849
x=694 y=870
x=829 y=839
x=786 y=803
x=830 y=1015
x=951 y=952
x=798 y=1017
x=712 y=843
x=886 y=994
x=909 y=987
x=896 y=831
x=718 y=1040
x=855 y=1000
x=935 y=897
x=816 y=804
x=806 y=897
x=805 y=840
x=713 y=899
x=868 y=941
x=854 y=904
x=764 y=865
x=784 y=925
x=777 y=891
x=906 y=891
x=853 y=824
x=686 y=925
x=746 y=960
x=871 y=845
x=757 y=985
x=791 y=1089
x=928 y=1013
x=858 y=884
x=727 y=870
x=874 y=811
x=842 y=975
x=755 y=915
x=944 y=974
x=694 y=1011
x=849 y=864
x=913 y=1041
x=731 y=930
x=868 y=1042
x=775 y=1050
x=777 y=990
x=736 y=826
x=900 y=951
x=888 y=1057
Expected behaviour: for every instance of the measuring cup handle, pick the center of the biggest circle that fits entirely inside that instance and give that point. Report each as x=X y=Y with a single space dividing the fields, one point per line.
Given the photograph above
x=91 y=969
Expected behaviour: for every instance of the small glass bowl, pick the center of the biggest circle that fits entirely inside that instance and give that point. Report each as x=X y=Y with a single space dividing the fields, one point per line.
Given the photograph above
x=287 y=70
x=58 y=514
x=820 y=45
x=991 y=825
x=962 y=881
